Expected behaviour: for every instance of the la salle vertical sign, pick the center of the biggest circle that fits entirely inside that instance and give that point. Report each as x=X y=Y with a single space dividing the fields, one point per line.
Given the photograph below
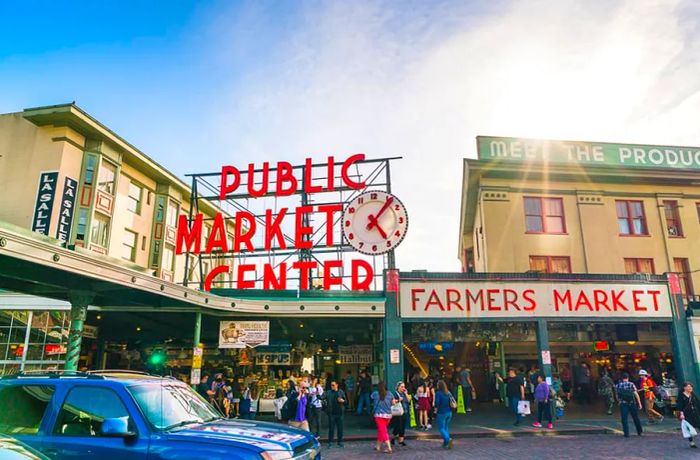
x=65 y=217
x=45 y=195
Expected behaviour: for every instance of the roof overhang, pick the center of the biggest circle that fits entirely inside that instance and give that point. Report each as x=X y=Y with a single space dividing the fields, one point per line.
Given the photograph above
x=38 y=265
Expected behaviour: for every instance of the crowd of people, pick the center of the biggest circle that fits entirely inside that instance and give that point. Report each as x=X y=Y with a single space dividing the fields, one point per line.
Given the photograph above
x=306 y=398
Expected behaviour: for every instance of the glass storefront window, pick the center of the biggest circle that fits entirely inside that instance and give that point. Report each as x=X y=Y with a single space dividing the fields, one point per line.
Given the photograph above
x=48 y=339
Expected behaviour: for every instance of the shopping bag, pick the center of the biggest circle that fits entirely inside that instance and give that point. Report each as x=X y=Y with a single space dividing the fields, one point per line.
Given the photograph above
x=397 y=409
x=688 y=430
x=524 y=407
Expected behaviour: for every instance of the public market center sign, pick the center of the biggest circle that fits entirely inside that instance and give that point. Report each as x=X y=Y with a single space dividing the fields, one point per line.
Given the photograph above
x=588 y=153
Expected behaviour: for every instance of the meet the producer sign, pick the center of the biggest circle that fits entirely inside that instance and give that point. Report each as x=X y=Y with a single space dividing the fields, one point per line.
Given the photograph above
x=493 y=299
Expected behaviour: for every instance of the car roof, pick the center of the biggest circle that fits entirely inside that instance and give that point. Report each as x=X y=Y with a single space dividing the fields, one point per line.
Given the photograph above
x=110 y=375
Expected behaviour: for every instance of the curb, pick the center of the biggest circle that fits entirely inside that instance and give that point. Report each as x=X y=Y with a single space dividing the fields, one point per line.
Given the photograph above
x=492 y=434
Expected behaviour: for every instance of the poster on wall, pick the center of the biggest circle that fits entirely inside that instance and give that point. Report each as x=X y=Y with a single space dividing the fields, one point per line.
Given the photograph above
x=355 y=354
x=46 y=192
x=241 y=334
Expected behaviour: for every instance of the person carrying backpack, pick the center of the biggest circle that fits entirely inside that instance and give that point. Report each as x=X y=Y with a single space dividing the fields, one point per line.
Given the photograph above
x=630 y=404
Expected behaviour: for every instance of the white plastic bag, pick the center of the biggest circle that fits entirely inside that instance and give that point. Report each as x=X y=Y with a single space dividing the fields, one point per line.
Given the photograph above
x=688 y=430
x=524 y=407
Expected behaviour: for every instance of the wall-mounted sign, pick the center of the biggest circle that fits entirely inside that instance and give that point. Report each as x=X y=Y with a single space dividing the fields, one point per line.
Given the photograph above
x=546 y=357
x=197 y=353
x=395 y=356
x=355 y=354
x=89 y=332
x=241 y=334
x=46 y=192
x=587 y=153
x=274 y=359
x=65 y=217
x=534 y=299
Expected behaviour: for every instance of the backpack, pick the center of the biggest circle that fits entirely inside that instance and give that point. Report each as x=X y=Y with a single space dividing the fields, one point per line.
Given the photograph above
x=626 y=395
x=289 y=409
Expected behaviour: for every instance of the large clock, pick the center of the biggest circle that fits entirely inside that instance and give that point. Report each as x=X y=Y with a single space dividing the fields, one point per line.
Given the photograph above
x=375 y=222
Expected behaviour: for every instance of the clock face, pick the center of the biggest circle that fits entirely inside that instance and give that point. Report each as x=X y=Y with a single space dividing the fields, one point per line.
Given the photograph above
x=375 y=222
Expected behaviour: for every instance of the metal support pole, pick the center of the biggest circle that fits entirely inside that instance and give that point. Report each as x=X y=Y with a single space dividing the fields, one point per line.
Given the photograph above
x=393 y=330
x=543 y=350
x=197 y=329
x=681 y=341
x=78 y=312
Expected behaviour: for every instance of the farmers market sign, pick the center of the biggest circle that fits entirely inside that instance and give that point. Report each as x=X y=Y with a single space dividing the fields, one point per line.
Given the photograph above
x=588 y=153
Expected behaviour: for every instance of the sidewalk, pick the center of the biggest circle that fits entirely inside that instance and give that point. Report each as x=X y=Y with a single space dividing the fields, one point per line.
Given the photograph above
x=492 y=421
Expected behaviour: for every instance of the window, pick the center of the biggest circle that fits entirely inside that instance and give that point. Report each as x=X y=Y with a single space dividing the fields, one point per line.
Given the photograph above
x=23 y=407
x=168 y=257
x=630 y=217
x=636 y=265
x=106 y=176
x=673 y=218
x=682 y=267
x=99 y=234
x=167 y=404
x=172 y=214
x=82 y=224
x=697 y=208
x=544 y=215
x=129 y=245
x=134 y=198
x=550 y=264
x=90 y=163
x=86 y=408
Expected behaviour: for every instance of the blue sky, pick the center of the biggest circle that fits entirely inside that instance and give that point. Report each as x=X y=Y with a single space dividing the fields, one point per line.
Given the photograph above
x=199 y=84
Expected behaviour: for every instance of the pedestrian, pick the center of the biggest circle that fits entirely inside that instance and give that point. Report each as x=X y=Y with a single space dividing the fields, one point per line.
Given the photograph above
x=424 y=405
x=430 y=388
x=236 y=395
x=444 y=404
x=689 y=407
x=515 y=391
x=297 y=401
x=566 y=381
x=543 y=399
x=278 y=404
x=316 y=406
x=584 y=384
x=383 y=400
x=630 y=404
x=335 y=409
x=647 y=388
x=606 y=390
x=204 y=387
x=468 y=392
x=399 y=422
x=500 y=385
x=350 y=390
x=364 y=389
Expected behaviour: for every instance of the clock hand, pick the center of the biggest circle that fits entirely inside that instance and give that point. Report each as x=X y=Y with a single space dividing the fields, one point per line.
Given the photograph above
x=373 y=222
x=373 y=219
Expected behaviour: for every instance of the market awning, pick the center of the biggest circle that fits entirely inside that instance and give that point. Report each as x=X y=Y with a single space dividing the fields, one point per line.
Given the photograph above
x=31 y=263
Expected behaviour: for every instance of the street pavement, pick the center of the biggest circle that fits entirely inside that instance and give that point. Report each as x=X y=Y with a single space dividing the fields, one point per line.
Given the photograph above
x=656 y=446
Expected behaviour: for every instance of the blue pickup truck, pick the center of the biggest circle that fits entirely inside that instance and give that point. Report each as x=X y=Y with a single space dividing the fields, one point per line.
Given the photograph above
x=119 y=415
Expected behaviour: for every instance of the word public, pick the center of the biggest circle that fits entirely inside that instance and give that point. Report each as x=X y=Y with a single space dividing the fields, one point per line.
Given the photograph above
x=246 y=226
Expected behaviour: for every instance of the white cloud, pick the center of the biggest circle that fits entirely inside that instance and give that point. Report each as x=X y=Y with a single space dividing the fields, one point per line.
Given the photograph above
x=423 y=80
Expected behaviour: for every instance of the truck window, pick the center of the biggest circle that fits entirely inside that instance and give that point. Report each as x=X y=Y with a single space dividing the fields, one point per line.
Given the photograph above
x=85 y=408
x=23 y=407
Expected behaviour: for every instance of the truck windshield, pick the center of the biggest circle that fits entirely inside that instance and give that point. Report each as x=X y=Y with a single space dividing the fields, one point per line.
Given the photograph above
x=168 y=405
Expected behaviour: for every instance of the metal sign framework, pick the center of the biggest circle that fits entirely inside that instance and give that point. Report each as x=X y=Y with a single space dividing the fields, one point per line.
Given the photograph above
x=376 y=173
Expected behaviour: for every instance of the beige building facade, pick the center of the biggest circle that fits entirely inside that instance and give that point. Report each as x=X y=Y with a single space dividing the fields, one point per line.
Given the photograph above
x=66 y=175
x=581 y=207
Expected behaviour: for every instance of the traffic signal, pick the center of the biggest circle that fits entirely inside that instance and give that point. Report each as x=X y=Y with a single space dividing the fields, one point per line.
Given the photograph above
x=157 y=357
